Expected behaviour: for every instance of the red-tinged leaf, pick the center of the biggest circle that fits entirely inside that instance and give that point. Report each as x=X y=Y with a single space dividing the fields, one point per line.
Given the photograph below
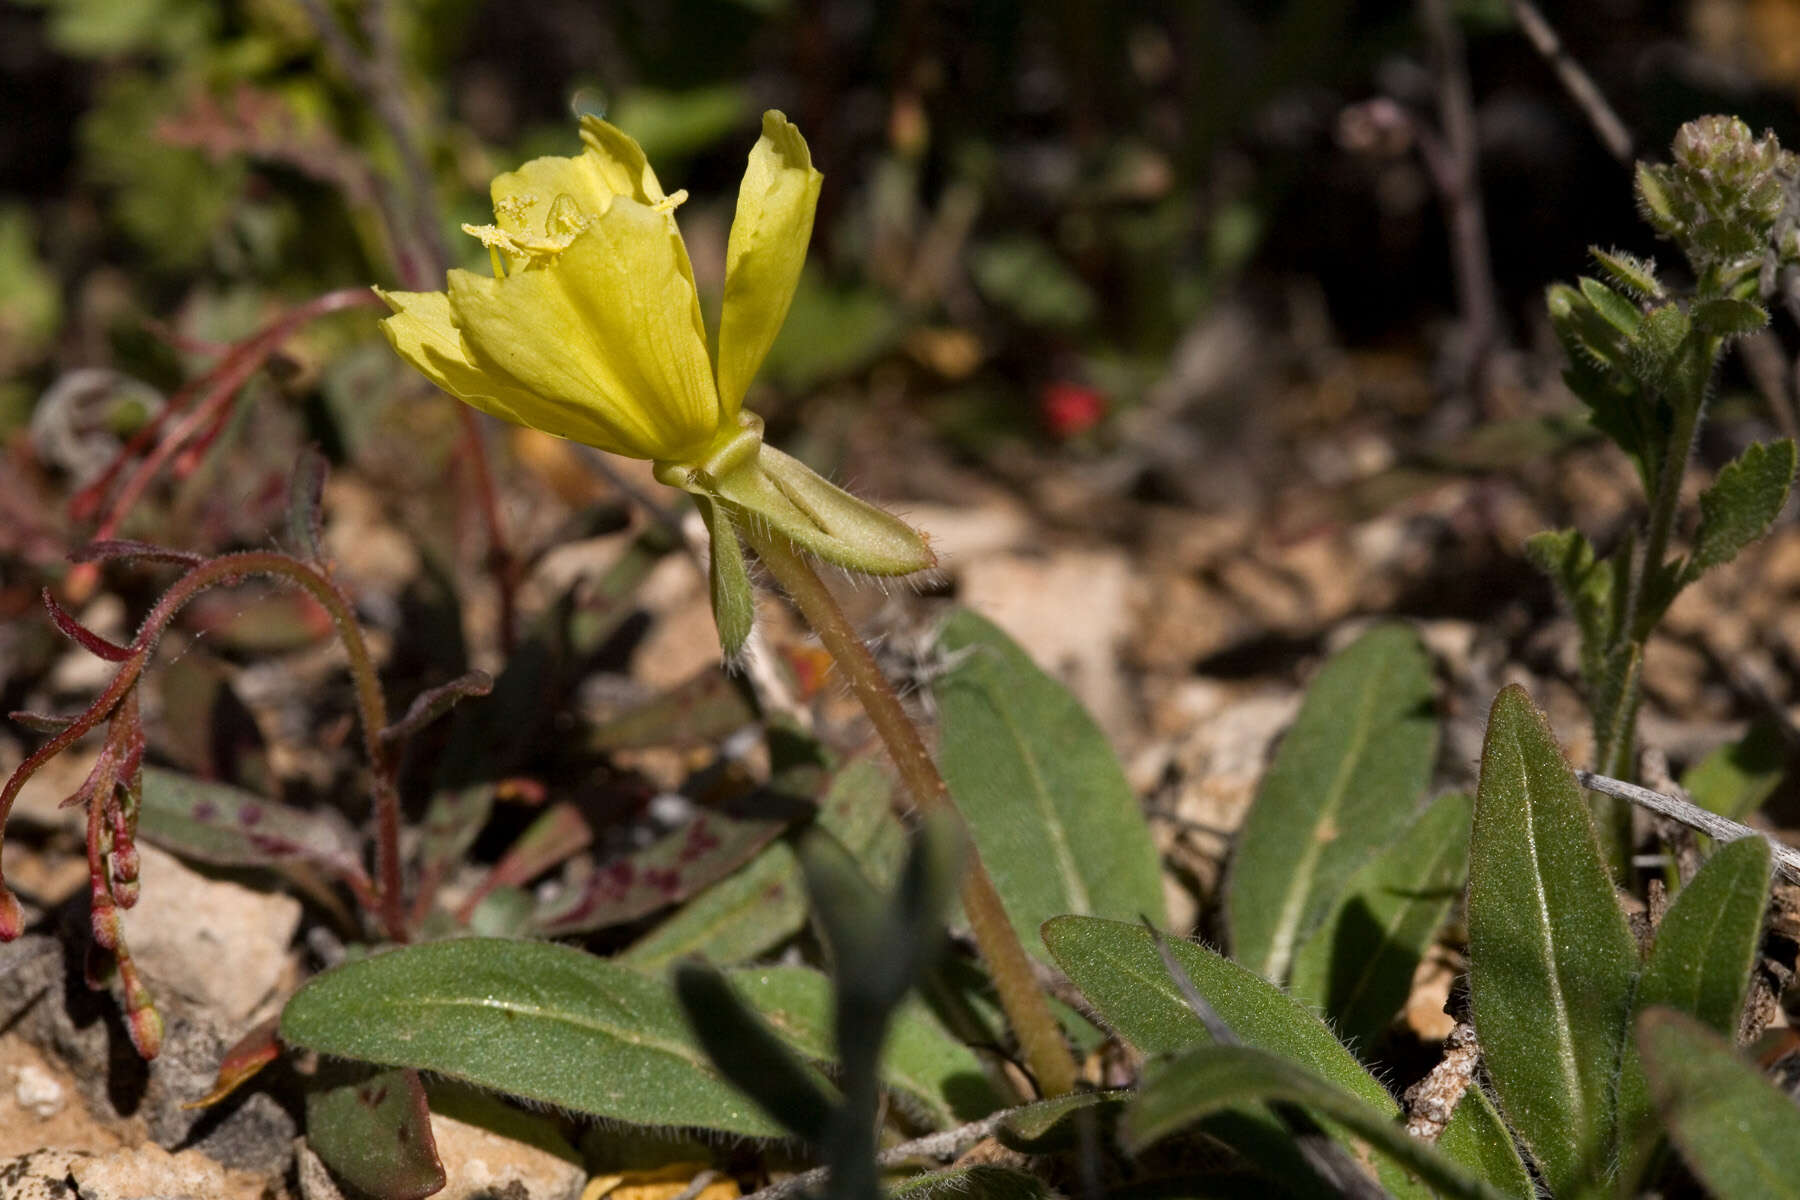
x=107 y=549
x=40 y=722
x=86 y=638
x=708 y=848
x=699 y=711
x=558 y=834
x=373 y=1129
x=216 y=823
x=270 y=623
x=250 y=1054
x=428 y=706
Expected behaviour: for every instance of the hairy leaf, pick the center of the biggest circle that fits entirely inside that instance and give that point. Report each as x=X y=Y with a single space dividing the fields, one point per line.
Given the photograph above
x=1700 y=963
x=227 y=826
x=1551 y=962
x=1205 y=1080
x=1047 y=804
x=1358 y=967
x=1345 y=782
x=1736 y=1131
x=1735 y=780
x=764 y=903
x=536 y=1020
x=372 y=1128
x=935 y=1076
x=1741 y=504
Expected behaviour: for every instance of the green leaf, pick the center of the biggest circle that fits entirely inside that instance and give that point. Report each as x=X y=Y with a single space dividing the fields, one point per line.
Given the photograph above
x=1051 y=1125
x=373 y=1129
x=227 y=826
x=1630 y=274
x=752 y=1055
x=1700 y=963
x=1551 y=962
x=1741 y=504
x=1588 y=586
x=1205 y=1080
x=935 y=1077
x=1345 y=782
x=540 y=1021
x=1047 y=804
x=1737 y=779
x=764 y=903
x=728 y=580
x=1358 y=967
x=1477 y=1138
x=698 y=711
x=1613 y=308
x=982 y=1182
x=1116 y=966
x=1735 y=1130
x=1730 y=317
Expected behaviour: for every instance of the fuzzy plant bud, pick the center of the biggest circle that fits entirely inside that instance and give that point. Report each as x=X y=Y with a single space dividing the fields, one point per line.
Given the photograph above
x=1721 y=200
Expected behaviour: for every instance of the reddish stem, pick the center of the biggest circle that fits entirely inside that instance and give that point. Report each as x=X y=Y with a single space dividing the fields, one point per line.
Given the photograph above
x=371 y=705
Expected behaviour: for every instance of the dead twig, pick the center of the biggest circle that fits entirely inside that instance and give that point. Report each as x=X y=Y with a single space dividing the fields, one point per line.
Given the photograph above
x=1787 y=860
x=1455 y=170
x=1578 y=83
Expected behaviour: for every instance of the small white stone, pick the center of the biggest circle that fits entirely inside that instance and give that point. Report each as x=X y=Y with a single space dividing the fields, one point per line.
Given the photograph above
x=37 y=1092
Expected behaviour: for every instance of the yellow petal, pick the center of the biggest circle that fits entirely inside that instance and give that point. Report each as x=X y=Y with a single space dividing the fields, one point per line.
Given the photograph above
x=608 y=334
x=523 y=198
x=767 y=249
x=422 y=332
x=621 y=161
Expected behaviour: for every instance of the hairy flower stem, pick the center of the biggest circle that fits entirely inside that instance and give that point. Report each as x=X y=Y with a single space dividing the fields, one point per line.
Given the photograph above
x=1040 y=1039
x=1614 y=755
x=371 y=705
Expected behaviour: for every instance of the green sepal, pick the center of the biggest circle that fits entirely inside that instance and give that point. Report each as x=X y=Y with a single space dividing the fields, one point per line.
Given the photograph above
x=733 y=599
x=1635 y=276
x=755 y=482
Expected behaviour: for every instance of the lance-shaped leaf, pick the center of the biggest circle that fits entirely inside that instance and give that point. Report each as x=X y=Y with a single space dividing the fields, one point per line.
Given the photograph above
x=764 y=902
x=933 y=1076
x=728 y=580
x=698 y=711
x=227 y=826
x=1551 y=962
x=1741 y=504
x=1050 y=1125
x=1734 y=1129
x=1054 y=820
x=1345 y=782
x=373 y=1129
x=715 y=843
x=1477 y=1138
x=1206 y=1080
x=532 y=1019
x=752 y=1055
x=1736 y=779
x=1117 y=968
x=1700 y=963
x=1358 y=967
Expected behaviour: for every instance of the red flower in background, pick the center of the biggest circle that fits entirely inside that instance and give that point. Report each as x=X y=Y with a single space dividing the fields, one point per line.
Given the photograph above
x=1070 y=409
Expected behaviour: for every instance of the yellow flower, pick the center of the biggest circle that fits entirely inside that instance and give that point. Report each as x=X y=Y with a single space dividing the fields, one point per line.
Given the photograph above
x=590 y=327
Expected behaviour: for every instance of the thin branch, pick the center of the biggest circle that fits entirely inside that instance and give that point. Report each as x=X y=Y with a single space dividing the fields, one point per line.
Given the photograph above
x=1787 y=860
x=943 y=1145
x=1581 y=87
x=1461 y=188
